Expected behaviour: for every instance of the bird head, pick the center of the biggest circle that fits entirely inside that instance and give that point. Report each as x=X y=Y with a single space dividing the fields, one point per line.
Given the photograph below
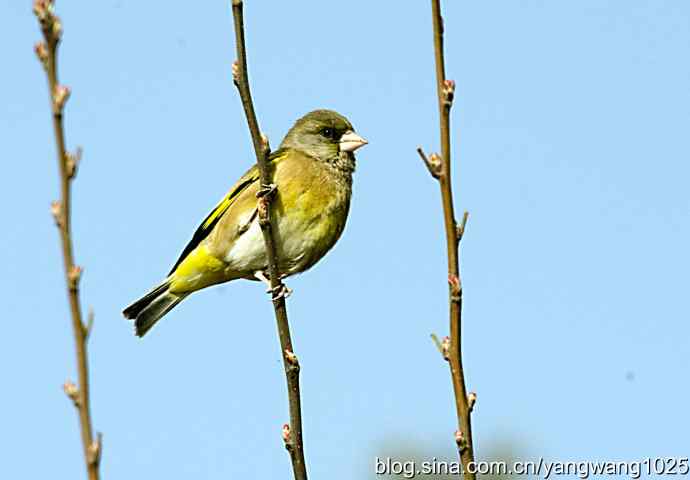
x=325 y=135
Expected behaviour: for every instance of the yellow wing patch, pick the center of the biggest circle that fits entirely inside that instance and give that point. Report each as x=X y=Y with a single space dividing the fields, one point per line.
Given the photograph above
x=212 y=219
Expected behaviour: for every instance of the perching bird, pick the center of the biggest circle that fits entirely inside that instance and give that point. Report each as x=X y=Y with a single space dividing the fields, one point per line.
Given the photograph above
x=312 y=171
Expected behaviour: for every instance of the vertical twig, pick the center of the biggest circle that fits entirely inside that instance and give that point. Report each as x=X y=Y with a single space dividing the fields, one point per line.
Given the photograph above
x=46 y=51
x=440 y=168
x=292 y=433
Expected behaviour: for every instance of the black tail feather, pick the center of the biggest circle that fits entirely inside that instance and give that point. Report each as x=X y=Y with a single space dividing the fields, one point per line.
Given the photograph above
x=151 y=307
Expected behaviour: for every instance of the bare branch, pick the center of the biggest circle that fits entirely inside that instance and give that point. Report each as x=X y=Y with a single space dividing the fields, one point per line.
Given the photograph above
x=46 y=51
x=292 y=433
x=440 y=168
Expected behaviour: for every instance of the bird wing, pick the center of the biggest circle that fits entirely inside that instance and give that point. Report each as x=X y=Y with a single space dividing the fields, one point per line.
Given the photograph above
x=216 y=214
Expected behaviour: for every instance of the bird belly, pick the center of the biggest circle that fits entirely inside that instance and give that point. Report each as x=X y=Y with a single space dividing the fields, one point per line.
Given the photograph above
x=301 y=240
x=247 y=253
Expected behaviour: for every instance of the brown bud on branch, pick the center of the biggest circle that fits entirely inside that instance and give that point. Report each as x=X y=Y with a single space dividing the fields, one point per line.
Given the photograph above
x=265 y=146
x=72 y=162
x=455 y=288
x=236 y=73
x=285 y=434
x=432 y=163
x=445 y=348
x=60 y=97
x=56 y=211
x=448 y=93
x=41 y=50
x=72 y=392
x=291 y=358
x=471 y=400
x=74 y=276
x=460 y=441
x=94 y=451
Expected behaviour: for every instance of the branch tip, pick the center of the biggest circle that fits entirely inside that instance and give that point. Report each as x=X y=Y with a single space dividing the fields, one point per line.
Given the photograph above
x=42 y=9
x=437 y=342
x=460 y=229
x=432 y=163
x=89 y=323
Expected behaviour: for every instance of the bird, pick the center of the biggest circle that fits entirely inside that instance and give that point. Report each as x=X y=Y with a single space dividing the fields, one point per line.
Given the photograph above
x=311 y=173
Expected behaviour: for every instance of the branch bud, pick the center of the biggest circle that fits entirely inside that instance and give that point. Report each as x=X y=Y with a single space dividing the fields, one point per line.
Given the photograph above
x=74 y=276
x=265 y=147
x=448 y=92
x=72 y=392
x=460 y=441
x=60 y=97
x=455 y=288
x=72 y=163
x=41 y=50
x=236 y=73
x=56 y=28
x=432 y=163
x=436 y=163
x=445 y=348
x=285 y=434
x=56 y=211
x=471 y=400
x=291 y=358
x=42 y=9
x=94 y=450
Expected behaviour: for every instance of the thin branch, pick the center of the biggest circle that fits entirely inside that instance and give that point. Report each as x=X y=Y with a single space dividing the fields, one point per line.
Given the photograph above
x=440 y=168
x=46 y=51
x=292 y=433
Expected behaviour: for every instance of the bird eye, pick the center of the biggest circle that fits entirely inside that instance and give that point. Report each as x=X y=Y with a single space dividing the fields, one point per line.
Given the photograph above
x=328 y=132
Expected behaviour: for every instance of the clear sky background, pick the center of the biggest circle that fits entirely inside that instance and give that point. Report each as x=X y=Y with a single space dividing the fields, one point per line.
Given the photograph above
x=570 y=141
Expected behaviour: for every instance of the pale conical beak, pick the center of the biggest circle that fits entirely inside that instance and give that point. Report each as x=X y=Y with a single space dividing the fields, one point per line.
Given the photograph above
x=350 y=141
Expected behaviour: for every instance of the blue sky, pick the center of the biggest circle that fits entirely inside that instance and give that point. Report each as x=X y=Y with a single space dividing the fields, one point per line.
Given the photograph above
x=570 y=141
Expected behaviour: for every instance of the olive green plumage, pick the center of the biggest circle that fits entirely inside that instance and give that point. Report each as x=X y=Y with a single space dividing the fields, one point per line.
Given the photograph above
x=313 y=172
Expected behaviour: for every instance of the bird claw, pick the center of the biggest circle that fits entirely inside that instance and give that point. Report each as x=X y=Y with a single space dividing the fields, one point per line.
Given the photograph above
x=281 y=290
x=266 y=190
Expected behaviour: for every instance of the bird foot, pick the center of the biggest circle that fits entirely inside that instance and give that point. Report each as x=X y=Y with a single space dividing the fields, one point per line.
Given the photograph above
x=281 y=290
x=266 y=190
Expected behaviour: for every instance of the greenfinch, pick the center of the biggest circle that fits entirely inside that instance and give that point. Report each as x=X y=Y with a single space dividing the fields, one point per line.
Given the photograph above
x=312 y=171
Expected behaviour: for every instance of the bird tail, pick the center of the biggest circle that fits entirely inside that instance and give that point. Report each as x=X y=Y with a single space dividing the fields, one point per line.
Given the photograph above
x=151 y=307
